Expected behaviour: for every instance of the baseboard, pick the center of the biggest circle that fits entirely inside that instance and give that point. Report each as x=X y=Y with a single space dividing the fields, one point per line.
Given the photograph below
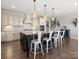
x=9 y=41
x=74 y=37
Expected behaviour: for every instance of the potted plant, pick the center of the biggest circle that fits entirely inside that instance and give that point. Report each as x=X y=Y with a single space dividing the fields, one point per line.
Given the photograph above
x=75 y=22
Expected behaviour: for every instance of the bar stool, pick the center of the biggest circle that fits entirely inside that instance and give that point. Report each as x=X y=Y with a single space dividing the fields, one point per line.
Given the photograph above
x=47 y=41
x=56 y=38
x=62 y=36
x=36 y=43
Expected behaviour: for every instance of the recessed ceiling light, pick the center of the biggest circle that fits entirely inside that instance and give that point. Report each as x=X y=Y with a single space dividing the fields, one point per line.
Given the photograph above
x=75 y=4
x=13 y=6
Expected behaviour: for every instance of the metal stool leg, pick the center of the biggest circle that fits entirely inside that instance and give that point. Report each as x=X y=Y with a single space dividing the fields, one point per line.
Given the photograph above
x=34 y=51
x=47 y=46
x=55 y=43
x=30 y=49
x=42 y=49
x=51 y=45
x=61 y=40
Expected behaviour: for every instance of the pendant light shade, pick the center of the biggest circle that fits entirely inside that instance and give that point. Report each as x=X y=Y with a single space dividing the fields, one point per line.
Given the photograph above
x=34 y=0
x=24 y=19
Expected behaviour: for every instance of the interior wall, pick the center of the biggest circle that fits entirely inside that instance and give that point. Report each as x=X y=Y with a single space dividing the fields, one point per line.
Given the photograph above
x=67 y=20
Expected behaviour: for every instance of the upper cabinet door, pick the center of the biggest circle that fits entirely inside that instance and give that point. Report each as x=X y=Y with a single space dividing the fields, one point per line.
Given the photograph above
x=11 y=20
x=4 y=19
x=20 y=20
x=16 y=20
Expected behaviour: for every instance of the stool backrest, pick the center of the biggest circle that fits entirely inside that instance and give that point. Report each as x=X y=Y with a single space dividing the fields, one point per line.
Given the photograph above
x=50 y=34
x=39 y=36
x=57 y=33
x=63 y=33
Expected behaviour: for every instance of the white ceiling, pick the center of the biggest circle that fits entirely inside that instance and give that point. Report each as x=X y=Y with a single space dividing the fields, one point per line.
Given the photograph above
x=61 y=6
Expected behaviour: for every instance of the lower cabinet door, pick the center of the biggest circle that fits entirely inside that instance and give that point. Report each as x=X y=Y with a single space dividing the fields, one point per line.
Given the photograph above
x=10 y=36
x=16 y=35
x=3 y=36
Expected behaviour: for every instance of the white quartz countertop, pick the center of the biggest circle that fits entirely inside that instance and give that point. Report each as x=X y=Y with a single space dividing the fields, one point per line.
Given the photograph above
x=29 y=32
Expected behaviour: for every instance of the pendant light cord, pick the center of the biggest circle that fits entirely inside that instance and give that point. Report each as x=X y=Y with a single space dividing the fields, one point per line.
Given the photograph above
x=45 y=9
x=34 y=4
x=53 y=11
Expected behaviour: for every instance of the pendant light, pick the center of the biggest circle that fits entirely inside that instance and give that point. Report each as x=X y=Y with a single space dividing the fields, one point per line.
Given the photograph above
x=53 y=17
x=53 y=20
x=34 y=19
x=34 y=16
x=34 y=11
x=45 y=16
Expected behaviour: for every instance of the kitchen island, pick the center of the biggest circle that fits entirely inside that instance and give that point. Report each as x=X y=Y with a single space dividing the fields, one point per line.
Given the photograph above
x=25 y=40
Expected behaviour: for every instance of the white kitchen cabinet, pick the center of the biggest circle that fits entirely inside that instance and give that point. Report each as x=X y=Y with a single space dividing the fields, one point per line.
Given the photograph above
x=10 y=36
x=20 y=20
x=11 y=19
x=16 y=20
x=4 y=19
x=16 y=35
x=3 y=36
